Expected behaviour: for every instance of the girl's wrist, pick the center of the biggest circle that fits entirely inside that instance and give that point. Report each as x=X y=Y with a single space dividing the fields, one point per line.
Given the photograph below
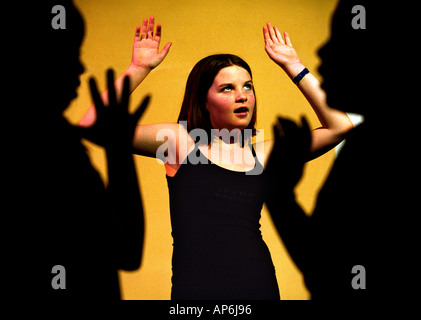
x=136 y=74
x=135 y=69
x=292 y=70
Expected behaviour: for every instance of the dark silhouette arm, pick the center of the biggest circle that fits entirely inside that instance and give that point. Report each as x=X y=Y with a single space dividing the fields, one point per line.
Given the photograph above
x=283 y=171
x=114 y=130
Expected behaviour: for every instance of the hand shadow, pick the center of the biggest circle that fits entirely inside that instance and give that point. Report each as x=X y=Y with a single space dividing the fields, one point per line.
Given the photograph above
x=66 y=216
x=347 y=229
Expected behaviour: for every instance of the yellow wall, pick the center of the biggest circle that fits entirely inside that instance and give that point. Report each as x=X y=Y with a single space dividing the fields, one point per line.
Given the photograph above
x=197 y=29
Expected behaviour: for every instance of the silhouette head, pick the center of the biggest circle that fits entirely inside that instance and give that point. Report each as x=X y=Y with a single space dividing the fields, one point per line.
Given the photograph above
x=347 y=59
x=59 y=66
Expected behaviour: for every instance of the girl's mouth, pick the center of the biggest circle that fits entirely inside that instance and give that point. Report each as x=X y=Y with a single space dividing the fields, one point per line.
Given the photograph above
x=241 y=111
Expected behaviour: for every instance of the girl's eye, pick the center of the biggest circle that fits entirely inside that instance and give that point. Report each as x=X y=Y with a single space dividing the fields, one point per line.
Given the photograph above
x=248 y=86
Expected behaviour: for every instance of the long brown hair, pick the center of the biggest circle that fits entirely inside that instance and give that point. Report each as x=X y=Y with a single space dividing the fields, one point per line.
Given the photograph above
x=193 y=109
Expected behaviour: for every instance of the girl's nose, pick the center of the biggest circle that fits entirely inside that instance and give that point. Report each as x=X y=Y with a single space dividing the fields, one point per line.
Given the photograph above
x=240 y=96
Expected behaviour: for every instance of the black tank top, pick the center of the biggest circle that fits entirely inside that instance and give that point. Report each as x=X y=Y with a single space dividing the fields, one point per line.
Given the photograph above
x=218 y=251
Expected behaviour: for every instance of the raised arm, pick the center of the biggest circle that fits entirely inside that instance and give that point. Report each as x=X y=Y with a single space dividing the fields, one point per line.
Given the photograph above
x=145 y=57
x=334 y=122
x=114 y=127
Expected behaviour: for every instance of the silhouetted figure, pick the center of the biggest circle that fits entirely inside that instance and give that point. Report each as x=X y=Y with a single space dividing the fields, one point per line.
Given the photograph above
x=68 y=217
x=341 y=247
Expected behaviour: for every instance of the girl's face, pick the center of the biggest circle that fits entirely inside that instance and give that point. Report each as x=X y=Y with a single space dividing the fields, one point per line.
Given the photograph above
x=230 y=100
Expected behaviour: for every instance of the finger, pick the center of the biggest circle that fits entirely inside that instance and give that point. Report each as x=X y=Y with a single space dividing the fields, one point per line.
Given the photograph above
x=165 y=50
x=306 y=132
x=112 y=99
x=278 y=130
x=305 y=124
x=141 y=109
x=267 y=36
x=158 y=31
x=287 y=39
x=96 y=98
x=125 y=93
x=278 y=35
x=144 y=29
x=137 y=33
x=265 y=33
x=150 y=27
x=272 y=33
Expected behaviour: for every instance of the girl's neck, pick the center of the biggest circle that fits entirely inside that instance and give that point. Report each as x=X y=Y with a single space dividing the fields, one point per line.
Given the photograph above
x=233 y=154
x=229 y=140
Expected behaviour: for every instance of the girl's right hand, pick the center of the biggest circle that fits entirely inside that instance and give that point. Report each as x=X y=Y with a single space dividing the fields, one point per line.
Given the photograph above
x=146 y=53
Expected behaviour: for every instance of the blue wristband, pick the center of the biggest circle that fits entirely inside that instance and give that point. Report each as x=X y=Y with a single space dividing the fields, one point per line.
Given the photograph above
x=300 y=76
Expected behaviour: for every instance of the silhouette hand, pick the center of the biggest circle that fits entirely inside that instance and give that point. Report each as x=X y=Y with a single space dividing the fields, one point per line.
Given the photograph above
x=114 y=126
x=146 y=53
x=290 y=152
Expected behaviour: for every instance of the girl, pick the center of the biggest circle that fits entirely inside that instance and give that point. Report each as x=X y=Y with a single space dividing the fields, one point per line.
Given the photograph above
x=215 y=200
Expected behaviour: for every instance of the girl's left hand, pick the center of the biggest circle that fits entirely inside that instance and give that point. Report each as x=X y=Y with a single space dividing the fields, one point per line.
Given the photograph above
x=280 y=51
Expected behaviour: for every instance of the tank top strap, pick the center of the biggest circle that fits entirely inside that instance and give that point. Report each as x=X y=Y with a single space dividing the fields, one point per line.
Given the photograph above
x=258 y=168
x=252 y=150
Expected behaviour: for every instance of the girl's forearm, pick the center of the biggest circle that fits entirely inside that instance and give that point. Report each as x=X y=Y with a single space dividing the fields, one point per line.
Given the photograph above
x=310 y=88
x=328 y=117
x=334 y=123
